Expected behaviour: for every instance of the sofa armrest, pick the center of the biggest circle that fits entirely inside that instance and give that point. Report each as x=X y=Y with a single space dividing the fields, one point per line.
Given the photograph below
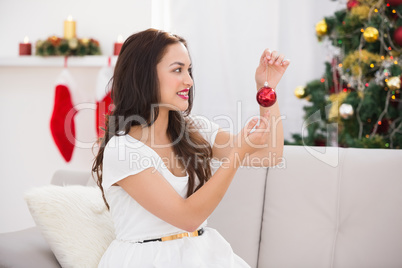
x=26 y=249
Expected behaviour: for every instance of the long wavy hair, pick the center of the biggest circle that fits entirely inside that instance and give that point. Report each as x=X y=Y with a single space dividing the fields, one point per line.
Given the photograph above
x=136 y=93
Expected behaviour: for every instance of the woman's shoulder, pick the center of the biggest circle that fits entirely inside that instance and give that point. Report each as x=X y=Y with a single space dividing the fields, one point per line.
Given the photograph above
x=122 y=142
x=207 y=128
x=202 y=122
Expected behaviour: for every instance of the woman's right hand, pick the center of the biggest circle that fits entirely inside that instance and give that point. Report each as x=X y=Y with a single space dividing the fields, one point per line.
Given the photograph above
x=248 y=143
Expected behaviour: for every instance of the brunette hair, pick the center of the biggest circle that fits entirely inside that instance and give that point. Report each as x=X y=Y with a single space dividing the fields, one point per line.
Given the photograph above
x=135 y=93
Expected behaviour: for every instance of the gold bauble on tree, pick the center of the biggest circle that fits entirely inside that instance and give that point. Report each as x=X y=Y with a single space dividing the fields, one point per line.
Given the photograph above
x=394 y=83
x=321 y=28
x=370 y=34
x=300 y=92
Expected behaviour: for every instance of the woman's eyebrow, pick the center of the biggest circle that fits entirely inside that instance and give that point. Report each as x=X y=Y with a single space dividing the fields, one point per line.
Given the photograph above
x=179 y=63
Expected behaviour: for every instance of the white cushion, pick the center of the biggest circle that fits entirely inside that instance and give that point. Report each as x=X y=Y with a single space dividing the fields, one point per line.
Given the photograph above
x=74 y=221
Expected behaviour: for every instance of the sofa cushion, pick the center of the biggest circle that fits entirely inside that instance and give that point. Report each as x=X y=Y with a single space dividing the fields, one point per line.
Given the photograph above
x=299 y=221
x=238 y=216
x=346 y=215
x=74 y=221
x=370 y=205
x=26 y=249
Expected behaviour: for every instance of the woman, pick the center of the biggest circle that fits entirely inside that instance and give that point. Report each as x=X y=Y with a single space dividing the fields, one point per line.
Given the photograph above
x=153 y=165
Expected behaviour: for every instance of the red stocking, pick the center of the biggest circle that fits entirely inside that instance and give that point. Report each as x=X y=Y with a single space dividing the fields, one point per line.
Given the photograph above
x=104 y=103
x=103 y=107
x=62 y=124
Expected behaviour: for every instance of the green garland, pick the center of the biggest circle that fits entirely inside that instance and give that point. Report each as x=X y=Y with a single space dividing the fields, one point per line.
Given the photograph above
x=55 y=46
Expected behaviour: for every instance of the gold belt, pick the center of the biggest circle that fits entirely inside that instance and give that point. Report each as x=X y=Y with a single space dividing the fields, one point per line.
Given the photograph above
x=176 y=236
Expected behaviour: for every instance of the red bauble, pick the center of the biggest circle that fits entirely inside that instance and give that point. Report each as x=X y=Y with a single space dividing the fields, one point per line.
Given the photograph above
x=351 y=4
x=398 y=36
x=394 y=2
x=266 y=96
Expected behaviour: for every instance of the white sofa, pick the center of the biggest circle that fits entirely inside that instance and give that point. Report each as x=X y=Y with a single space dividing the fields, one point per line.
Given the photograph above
x=321 y=207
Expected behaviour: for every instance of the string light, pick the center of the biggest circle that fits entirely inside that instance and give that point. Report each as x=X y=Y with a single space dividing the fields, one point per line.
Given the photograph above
x=340 y=42
x=395 y=62
x=386 y=74
x=393 y=11
x=387 y=144
x=367 y=84
x=369 y=120
x=379 y=122
x=367 y=136
x=375 y=10
x=387 y=4
x=322 y=80
x=386 y=80
x=340 y=65
x=372 y=65
x=393 y=97
x=382 y=57
x=362 y=30
x=390 y=48
x=392 y=57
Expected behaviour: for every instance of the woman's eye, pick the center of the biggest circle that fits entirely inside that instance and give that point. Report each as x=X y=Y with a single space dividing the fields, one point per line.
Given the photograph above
x=178 y=70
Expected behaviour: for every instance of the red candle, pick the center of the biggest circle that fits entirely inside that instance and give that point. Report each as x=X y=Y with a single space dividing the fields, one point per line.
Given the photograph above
x=26 y=47
x=118 y=45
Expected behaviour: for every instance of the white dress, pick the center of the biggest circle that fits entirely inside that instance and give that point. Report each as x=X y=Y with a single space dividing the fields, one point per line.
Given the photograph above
x=124 y=156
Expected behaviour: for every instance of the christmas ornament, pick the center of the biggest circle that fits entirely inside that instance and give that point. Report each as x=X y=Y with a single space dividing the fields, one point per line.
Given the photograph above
x=371 y=34
x=300 y=92
x=266 y=96
x=394 y=2
x=104 y=104
x=394 y=82
x=73 y=43
x=351 y=4
x=398 y=36
x=346 y=110
x=62 y=124
x=321 y=28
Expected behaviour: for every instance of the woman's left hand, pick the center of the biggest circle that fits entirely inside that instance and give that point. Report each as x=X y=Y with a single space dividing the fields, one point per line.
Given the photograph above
x=277 y=66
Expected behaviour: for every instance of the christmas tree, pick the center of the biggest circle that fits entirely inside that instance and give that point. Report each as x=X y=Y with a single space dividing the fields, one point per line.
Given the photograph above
x=357 y=103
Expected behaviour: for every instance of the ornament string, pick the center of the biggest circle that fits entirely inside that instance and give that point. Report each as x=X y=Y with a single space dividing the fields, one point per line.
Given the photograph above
x=266 y=75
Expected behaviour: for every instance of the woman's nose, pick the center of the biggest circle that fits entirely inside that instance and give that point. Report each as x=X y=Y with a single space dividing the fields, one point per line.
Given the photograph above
x=188 y=80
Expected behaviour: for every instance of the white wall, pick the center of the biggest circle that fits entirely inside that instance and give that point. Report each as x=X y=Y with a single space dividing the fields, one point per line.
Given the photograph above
x=226 y=39
x=28 y=155
x=39 y=19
